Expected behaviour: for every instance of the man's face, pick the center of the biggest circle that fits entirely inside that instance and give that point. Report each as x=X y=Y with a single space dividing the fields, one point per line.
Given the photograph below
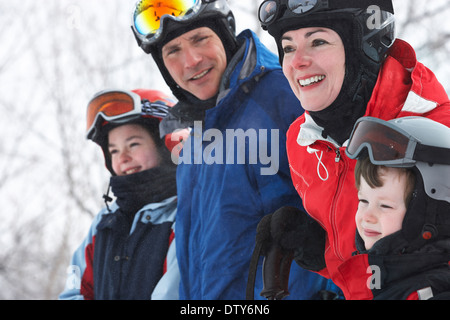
x=196 y=60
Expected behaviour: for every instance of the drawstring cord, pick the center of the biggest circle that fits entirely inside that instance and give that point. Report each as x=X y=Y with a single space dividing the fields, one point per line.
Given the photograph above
x=321 y=164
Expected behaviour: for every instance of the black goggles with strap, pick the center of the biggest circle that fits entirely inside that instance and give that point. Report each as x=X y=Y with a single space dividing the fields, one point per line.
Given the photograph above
x=271 y=11
x=389 y=145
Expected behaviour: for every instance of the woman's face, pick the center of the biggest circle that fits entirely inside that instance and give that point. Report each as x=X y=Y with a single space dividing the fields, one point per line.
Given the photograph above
x=314 y=64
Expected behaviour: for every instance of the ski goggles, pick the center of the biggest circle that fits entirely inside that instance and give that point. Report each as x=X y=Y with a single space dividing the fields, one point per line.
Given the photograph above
x=272 y=10
x=389 y=145
x=148 y=15
x=120 y=106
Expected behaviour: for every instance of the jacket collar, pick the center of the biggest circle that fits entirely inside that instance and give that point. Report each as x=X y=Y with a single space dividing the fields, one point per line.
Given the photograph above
x=250 y=62
x=310 y=132
x=155 y=213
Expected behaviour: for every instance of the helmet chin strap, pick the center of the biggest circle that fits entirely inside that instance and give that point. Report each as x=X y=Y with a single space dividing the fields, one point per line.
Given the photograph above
x=429 y=230
x=107 y=198
x=425 y=219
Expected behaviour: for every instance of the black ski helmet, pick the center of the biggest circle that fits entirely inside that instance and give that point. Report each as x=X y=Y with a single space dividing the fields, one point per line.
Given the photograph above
x=215 y=14
x=367 y=25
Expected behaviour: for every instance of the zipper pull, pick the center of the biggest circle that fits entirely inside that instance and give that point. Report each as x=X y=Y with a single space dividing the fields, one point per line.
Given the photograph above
x=338 y=156
x=337 y=159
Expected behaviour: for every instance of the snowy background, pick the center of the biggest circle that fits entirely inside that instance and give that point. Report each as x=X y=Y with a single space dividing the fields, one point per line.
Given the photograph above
x=54 y=55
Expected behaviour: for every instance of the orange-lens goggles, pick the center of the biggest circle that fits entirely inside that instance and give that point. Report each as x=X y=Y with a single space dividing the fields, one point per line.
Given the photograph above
x=148 y=13
x=112 y=105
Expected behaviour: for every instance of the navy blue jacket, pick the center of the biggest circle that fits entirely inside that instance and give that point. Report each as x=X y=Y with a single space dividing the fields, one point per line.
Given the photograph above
x=124 y=259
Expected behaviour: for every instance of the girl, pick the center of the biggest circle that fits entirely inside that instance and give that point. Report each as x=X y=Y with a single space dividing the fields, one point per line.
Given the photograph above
x=129 y=252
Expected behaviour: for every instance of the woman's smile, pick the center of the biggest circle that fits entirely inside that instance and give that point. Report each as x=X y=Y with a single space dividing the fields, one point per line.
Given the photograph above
x=311 y=81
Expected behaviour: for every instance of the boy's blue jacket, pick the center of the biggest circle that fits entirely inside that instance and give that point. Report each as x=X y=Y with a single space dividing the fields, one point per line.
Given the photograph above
x=222 y=200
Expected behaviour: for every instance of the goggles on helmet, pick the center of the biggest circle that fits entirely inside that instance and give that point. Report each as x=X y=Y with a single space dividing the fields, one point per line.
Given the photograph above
x=391 y=146
x=149 y=15
x=272 y=10
x=119 y=106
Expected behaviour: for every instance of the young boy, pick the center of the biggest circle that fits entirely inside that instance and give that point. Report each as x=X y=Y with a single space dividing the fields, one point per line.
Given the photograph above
x=403 y=219
x=129 y=252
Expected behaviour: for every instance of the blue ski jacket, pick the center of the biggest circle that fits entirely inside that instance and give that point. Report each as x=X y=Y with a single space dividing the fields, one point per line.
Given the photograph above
x=232 y=171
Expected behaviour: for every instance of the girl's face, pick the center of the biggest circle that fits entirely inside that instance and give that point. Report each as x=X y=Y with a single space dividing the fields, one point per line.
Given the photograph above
x=381 y=210
x=314 y=64
x=132 y=149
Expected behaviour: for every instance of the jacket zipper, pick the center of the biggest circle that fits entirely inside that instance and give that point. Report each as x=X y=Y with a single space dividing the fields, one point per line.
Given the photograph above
x=333 y=207
x=338 y=158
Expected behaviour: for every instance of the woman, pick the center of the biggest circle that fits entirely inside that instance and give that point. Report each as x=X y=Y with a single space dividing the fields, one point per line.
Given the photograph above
x=342 y=62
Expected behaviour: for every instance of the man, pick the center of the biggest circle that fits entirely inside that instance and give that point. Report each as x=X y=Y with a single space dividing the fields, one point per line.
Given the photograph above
x=233 y=169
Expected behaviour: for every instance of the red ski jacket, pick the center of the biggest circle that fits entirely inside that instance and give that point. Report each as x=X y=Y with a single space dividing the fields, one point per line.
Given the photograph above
x=324 y=176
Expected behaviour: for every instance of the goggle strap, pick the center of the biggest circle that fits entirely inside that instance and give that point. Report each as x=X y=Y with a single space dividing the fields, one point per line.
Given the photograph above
x=431 y=154
x=155 y=109
x=385 y=5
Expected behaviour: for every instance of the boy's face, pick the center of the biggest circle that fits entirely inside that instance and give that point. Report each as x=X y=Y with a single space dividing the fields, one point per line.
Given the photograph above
x=132 y=149
x=381 y=210
x=196 y=60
